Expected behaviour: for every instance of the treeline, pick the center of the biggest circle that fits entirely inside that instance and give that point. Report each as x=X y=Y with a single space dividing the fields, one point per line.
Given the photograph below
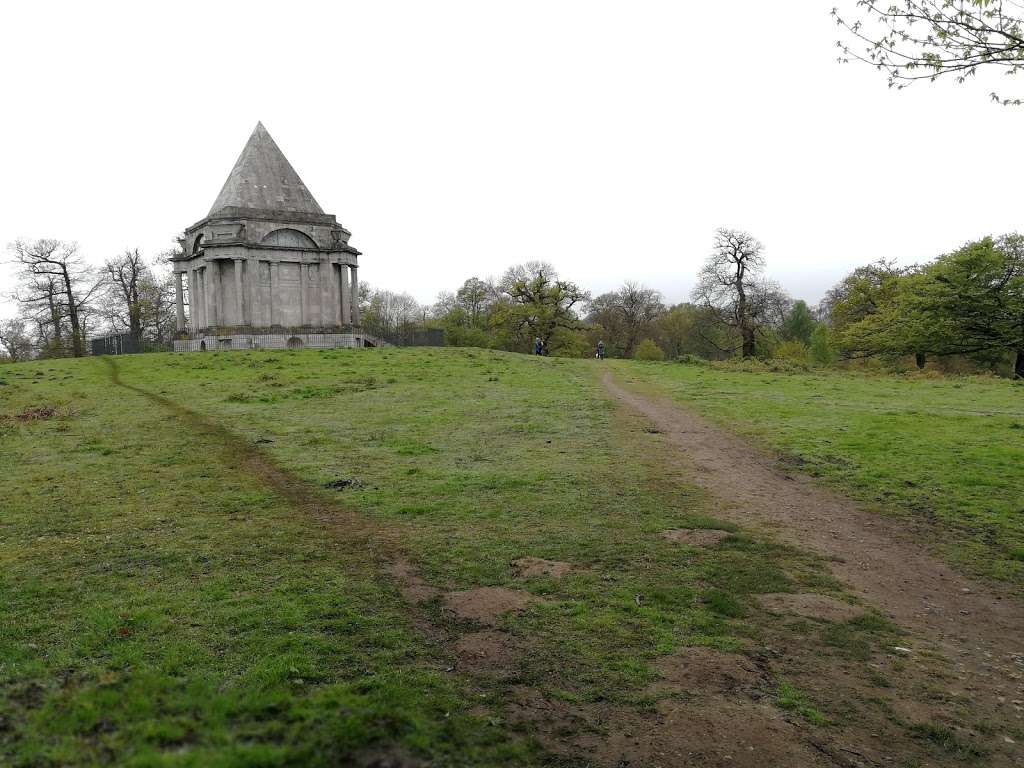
x=62 y=301
x=962 y=311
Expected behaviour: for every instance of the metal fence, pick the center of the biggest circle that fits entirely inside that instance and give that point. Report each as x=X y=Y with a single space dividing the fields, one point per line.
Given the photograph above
x=116 y=344
x=414 y=337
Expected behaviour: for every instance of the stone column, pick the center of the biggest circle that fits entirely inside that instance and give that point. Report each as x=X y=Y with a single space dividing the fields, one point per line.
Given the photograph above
x=355 y=295
x=274 y=281
x=239 y=296
x=336 y=293
x=346 y=299
x=193 y=319
x=211 y=291
x=200 y=297
x=193 y=299
x=252 y=282
x=179 y=296
x=326 y=306
x=303 y=281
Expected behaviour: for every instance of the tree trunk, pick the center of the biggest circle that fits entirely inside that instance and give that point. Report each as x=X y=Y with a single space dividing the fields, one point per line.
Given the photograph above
x=134 y=308
x=746 y=326
x=55 y=319
x=77 y=342
x=1018 y=368
x=919 y=359
x=135 y=321
x=749 y=343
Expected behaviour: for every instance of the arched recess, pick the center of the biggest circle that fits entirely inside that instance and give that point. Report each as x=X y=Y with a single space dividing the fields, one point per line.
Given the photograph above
x=290 y=238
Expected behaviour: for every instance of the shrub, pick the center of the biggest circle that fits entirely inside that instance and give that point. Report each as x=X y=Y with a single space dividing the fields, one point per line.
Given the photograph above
x=648 y=350
x=794 y=351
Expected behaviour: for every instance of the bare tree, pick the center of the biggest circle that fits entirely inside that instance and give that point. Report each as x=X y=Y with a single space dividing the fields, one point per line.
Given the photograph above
x=55 y=278
x=125 y=275
x=444 y=304
x=626 y=315
x=731 y=288
x=15 y=339
x=159 y=307
x=139 y=298
x=927 y=39
x=388 y=312
x=41 y=304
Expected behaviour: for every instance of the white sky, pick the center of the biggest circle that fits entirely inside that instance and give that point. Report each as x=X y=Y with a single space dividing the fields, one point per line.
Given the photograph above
x=456 y=138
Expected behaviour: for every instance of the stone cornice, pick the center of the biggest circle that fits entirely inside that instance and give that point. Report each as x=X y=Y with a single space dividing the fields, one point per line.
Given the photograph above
x=255 y=214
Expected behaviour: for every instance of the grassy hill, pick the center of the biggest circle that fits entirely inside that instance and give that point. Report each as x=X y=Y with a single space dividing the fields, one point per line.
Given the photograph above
x=206 y=559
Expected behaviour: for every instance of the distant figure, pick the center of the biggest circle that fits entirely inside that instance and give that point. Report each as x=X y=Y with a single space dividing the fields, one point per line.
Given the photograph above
x=600 y=350
x=538 y=346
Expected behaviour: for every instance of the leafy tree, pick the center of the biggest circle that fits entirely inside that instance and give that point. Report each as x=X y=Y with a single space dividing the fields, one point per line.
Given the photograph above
x=799 y=323
x=968 y=302
x=730 y=287
x=474 y=298
x=973 y=299
x=822 y=350
x=861 y=293
x=535 y=303
x=927 y=39
x=894 y=327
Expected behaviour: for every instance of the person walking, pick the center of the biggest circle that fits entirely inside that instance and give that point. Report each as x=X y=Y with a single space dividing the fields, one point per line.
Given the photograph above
x=538 y=346
x=600 y=350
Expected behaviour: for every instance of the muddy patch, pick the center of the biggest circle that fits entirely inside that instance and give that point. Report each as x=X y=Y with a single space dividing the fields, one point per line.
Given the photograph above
x=699 y=671
x=713 y=734
x=528 y=567
x=487 y=604
x=810 y=606
x=418 y=592
x=487 y=651
x=695 y=537
x=413 y=589
x=572 y=729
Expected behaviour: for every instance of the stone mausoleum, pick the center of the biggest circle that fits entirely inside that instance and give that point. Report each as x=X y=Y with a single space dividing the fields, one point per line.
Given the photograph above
x=267 y=267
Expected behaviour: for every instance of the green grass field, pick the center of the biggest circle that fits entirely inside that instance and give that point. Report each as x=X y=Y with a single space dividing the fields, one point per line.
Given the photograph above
x=947 y=452
x=164 y=602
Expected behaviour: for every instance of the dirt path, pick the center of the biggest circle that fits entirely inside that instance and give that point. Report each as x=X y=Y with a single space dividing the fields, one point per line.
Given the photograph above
x=978 y=629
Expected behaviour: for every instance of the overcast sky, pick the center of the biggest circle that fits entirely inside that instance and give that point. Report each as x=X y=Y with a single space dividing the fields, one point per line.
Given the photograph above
x=456 y=138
